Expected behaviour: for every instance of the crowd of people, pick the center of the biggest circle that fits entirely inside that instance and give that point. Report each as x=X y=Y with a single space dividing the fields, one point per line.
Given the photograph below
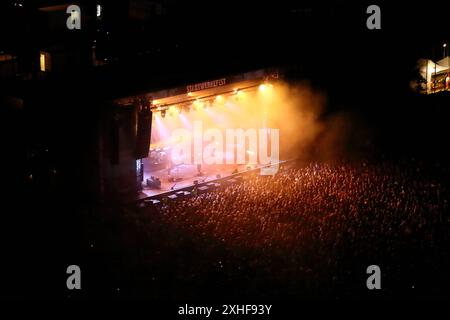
x=308 y=230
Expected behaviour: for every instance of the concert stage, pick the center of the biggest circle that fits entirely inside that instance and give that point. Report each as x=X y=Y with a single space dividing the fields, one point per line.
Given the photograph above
x=229 y=125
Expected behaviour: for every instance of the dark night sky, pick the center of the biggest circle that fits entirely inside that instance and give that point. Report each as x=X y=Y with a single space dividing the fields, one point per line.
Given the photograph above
x=196 y=36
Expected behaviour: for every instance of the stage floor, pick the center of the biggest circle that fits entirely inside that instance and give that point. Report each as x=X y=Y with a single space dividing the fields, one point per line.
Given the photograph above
x=187 y=173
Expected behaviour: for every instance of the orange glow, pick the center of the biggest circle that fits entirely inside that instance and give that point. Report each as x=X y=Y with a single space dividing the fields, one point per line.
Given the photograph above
x=292 y=109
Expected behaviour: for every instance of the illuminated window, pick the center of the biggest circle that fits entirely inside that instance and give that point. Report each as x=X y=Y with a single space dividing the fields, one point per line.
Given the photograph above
x=99 y=11
x=45 y=63
x=42 y=61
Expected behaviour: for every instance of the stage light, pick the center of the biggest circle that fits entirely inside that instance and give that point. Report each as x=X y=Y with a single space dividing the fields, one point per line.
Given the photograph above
x=220 y=99
x=262 y=87
x=163 y=113
x=198 y=104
